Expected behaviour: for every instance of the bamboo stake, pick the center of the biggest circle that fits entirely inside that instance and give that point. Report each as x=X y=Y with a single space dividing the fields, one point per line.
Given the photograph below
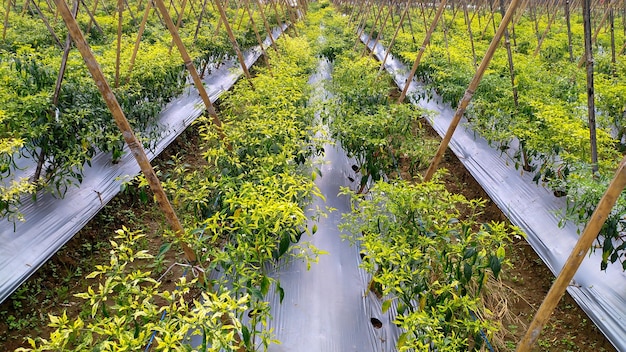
x=471 y=36
x=92 y=19
x=575 y=258
x=122 y=123
x=202 y=11
x=192 y=69
x=590 y=89
x=6 y=20
x=444 y=28
x=130 y=11
x=581 y=62
x=178 y=22
x=25 y=7
x=411 y=28
x=382 y=26
x=545 y=32
x=66 y=54
x=569 y=31
x=433 y=25
x=393 y=40
x=258 y=37
x=142 y=27
x=612 y=31
x=469 y=93
x=362 y=24
x=269 y=31
x=275 y=8
x=120 y=9
x=45 y=21
x=233 y=42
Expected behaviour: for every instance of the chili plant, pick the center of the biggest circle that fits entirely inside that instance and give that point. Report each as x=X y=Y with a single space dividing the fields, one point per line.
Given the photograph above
x=429 y=255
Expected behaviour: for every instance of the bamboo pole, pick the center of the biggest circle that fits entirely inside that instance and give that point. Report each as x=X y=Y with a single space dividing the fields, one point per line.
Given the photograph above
x=581 y=62
x=202 y=11
x=469 y=93
x=120 y=9
x=142 y=27
x=612 y=30
x=192 y=69
x=545 y=32
x=91 y=18
x=382 y=27
x=66 y=54
x=590 y=89
x=122 y=123
x=130 y=11
x=269 y=31
x=575 y=258
x=6 y=20
x=393 y=39
x=362 y=24
x=45 y=21
x=569 y=30
x=430 y=31
x=179 y=21
x=471 y=35
x=258 y=37
x=233 y=42
x=444 y=28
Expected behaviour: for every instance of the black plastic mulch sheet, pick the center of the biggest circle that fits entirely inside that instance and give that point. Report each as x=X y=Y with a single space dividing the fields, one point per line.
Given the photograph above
x=51 y=222
x=601 y=294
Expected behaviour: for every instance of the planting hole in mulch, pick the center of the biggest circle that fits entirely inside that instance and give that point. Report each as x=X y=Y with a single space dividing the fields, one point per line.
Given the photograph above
x=377 y=324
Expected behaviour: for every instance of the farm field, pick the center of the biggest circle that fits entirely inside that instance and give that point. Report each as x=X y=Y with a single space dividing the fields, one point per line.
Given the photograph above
x=209 y=249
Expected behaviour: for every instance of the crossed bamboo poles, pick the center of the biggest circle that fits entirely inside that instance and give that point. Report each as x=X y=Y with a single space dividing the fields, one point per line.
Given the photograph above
x=616 y=186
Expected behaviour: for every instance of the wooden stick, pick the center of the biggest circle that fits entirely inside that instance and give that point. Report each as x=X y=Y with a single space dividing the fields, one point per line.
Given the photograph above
x=575 y=258
x=192 y=69
x=393 y=40
x=130 y=11
x=178 y=22
x=269 y=31
x=545 y=32
x=382 y=28
x=142 y=27
x=258 y=37
x=122 y=123
x=120 y=9
x=582 y=60
x=591 y=110
x=469 y=93
x=6 y=20
x=471 y=35
x=429 y=33
x=233 y=42
x=202 y=11
x=92 y=19
x=45 y=21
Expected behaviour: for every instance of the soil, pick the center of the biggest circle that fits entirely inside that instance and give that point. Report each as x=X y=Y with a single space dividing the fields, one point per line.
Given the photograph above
x=527 y=281
x=50 y=290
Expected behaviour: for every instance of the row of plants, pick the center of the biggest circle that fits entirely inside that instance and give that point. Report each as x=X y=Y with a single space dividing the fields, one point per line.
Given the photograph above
x=62 y=130
x=545 y=132
x=428 y=255
x=244 y=208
